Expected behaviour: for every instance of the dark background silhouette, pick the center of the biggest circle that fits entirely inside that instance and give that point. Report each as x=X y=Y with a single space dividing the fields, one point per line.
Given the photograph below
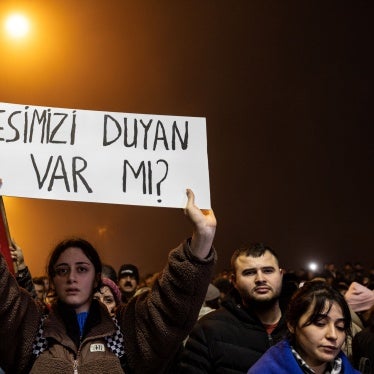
x=286 y=88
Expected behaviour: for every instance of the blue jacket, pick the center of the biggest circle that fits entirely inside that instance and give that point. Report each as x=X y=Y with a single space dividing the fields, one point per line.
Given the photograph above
x=280 y=360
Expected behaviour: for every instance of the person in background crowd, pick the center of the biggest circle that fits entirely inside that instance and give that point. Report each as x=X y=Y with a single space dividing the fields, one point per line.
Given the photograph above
x=46 y=282
x=330 y=273
x=224 y=285
x=147 y=283
x=232 y=338
x=39 y=286
x=342 y=287
x=290 y=284
x=109 y=272
x=360 y=299
x=348 y=274
x=149 y=279
x=363 y=347
x=366 y=281
x=318 y=321
x=109 y=294
x=79 y=335
x=371 y=278
x=211 y=301
x=359 y=272
x=128 y=281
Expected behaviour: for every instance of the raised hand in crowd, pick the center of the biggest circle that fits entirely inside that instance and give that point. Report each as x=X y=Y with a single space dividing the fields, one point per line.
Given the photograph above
x=17 y=257
x=204 y=227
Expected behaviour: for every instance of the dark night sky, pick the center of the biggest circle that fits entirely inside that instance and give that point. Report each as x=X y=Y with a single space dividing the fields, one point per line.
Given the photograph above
x=286 y=88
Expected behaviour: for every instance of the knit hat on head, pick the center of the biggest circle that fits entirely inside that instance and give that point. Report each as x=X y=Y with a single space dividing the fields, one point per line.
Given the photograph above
x=128 y=269
x=212 y=293
x=113 y=287
x=359 y=297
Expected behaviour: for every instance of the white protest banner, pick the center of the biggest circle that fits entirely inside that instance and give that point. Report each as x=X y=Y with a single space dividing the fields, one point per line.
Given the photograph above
x=108 y=157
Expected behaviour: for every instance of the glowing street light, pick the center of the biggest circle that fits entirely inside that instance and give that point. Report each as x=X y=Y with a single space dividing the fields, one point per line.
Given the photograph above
x=313 y=266
x=17 y=25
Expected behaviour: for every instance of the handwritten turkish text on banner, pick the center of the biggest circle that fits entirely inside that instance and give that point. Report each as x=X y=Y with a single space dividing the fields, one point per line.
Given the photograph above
x=96 y=156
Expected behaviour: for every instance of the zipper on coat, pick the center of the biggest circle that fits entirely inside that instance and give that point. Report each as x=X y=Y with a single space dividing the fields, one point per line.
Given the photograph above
x=75 y=363
x=270 y=340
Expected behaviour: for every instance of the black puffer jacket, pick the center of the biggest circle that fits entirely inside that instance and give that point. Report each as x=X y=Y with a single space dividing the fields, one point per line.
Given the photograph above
x=229 y=340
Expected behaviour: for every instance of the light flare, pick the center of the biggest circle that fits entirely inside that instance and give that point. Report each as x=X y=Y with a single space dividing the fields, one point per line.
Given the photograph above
x=17 y=25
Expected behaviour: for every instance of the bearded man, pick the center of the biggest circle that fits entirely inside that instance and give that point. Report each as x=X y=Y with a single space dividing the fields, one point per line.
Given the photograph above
x=232 y=338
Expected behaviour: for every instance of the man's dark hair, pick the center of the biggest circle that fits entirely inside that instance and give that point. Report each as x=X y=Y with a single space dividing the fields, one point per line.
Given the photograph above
x=253 y=250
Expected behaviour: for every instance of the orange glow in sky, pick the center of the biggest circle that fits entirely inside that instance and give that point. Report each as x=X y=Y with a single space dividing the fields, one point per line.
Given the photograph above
x=288 y=119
